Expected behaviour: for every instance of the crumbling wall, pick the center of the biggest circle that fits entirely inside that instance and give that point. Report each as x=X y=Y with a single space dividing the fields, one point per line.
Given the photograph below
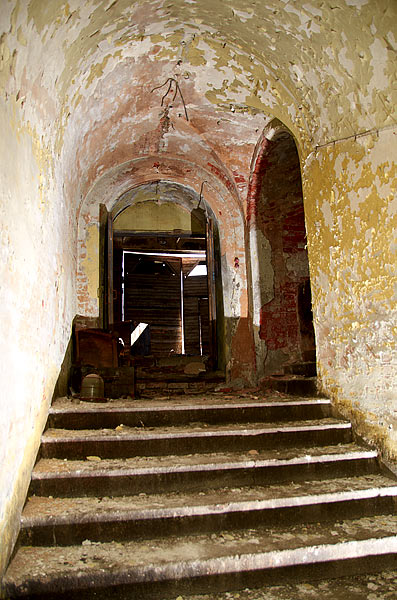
x=37 y=253
x=351 y=201
x=78 y=110
x=278 y=256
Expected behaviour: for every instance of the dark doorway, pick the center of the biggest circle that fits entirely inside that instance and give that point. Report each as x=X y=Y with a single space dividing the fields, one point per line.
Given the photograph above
x=305 y=314
x=286 y=320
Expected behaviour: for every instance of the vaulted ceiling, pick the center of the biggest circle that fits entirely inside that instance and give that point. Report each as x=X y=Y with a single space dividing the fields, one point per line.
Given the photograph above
x=88 y=77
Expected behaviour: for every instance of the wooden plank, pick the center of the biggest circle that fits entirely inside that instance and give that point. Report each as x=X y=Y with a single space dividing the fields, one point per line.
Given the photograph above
x=211 y=290
x=155 y=299
x=109 y=290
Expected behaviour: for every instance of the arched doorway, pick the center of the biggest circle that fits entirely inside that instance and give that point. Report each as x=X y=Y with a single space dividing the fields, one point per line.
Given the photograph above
x=282 y=315
x=160 y=268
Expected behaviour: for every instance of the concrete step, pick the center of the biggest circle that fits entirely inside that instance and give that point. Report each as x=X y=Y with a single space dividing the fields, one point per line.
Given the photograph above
x=151 y=389
x=307 y=369
x=60 y=521
x=124 y=442
x=172 y=374
x=365 y=586
x=153 y=499
x=293 y=385
x=157 y=474
x=187 y=564
x=212 y=409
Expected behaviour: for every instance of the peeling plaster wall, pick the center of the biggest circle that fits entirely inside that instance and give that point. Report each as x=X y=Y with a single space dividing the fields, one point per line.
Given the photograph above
x=351 y=193
x=37 y=297
x=37 y=266
x=81 y=125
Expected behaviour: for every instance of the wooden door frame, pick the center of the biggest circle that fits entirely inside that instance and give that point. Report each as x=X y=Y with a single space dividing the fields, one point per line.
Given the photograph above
x=105 y=267
x=211 y=277
x=106 y=257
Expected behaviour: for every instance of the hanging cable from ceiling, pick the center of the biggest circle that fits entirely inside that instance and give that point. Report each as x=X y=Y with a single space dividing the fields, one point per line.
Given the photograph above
x=172 y=81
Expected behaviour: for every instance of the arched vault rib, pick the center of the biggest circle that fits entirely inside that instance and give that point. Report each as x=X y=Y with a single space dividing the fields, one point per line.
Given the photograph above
x=219 y=193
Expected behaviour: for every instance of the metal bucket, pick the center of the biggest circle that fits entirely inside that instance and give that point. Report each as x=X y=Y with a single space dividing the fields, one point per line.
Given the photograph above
x=92 y=388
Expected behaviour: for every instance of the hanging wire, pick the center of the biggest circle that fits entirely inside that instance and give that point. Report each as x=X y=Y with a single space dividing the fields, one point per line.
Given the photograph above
x=170 y=81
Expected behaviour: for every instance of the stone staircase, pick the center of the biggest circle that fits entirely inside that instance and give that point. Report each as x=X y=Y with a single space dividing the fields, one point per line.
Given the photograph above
x=296 y=379
x=156 y=498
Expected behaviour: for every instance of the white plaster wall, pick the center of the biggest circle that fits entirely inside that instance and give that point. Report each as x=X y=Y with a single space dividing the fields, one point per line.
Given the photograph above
x=37 y=303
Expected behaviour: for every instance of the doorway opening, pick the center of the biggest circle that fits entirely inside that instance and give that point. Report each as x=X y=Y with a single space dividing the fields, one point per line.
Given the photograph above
x=282 y=295
x=163 y=281
x=165 y=288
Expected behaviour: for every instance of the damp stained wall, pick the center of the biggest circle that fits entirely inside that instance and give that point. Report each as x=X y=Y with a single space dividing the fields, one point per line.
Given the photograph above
x=81 y=125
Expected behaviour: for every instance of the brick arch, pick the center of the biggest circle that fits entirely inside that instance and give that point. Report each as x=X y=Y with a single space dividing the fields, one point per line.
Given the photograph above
x=115 y=190
x=278 y=256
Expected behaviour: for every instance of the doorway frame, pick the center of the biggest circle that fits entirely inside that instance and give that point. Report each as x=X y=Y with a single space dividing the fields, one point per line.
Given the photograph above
x=106 y=270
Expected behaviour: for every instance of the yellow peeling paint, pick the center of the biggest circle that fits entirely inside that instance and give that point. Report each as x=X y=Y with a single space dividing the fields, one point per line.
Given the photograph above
x=155 y=39
x=14 y=17
x=44 y=14
x=195 y=55
x=6 y=63
x=41 y=152
x=354 y=275
x=91 y=261
x=152 y=216
x=97 y=70
x=331 y=191
x=21 y=37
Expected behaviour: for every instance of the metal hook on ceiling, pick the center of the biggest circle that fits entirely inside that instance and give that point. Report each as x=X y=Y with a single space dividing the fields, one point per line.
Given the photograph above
x=201 y=192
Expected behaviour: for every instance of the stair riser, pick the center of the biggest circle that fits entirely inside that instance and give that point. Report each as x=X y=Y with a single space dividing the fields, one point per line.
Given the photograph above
x=111 y=485
x=172 y=388
x=119 y=448
x=100 y=420
x=305 y=369
x=139 y=528
x=156 y=589
x=294 y=387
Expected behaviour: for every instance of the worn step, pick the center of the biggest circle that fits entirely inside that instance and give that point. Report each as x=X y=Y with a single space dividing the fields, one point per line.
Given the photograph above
x=72 y=414
x=60 y=521
x=307 y=369
x=124 y=442
x=172 y=375
x=203 y=562
x=294 y=385
x=157 y=474
x=380 y=585
x=153 y=389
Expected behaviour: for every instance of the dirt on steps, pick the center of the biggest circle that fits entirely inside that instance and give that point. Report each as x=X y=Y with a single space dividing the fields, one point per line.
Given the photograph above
x=147 y=526
x=380 y=586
